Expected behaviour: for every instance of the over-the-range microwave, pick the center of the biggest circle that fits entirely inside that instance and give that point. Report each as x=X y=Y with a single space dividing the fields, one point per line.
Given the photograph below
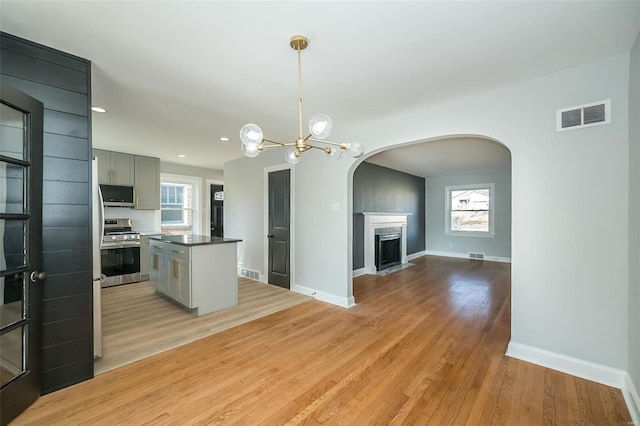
x=117 y=196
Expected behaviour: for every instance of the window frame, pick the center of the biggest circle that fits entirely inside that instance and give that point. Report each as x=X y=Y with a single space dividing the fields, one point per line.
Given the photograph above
x=447 y=223
x=184 y=204
x=196 y=185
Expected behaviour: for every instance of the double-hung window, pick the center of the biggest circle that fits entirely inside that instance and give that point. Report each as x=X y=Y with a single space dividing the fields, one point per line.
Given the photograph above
x=177 y=206
x=469 y=210
x=172 y=204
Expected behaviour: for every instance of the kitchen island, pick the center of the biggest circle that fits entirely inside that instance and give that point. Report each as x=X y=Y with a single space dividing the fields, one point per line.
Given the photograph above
x=196 y=271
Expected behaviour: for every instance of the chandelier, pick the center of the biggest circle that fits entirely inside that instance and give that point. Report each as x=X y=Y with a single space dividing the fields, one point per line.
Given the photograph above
x=320 y=125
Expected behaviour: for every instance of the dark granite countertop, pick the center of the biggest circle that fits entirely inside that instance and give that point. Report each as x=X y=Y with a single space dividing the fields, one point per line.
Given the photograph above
x=193 y=240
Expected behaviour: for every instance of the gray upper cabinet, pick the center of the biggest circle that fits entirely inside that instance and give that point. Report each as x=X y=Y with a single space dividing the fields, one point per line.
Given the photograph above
x=147 y=187
x=104 y=165
x=115 y=168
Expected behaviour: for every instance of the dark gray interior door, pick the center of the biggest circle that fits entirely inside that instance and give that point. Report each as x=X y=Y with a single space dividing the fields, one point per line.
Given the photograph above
x=217 y=210
x=20 y=251
x=279 y=232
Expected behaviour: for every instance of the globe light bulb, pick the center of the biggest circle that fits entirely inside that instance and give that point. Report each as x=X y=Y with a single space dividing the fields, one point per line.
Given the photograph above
x=335 y=153
x=320 y=126
x=251 y=134
x=355 y=149
x=291 y=156
x=250 y=149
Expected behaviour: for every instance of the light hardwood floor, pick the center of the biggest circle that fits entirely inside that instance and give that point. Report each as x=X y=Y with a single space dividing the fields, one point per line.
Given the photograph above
x=138 y=323
x=424 y=345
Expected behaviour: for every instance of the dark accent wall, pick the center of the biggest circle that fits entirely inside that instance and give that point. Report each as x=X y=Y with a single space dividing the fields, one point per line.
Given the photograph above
x=379 y=189
x=62 y=82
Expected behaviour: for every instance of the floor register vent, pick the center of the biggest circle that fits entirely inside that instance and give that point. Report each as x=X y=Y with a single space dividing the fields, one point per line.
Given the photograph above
x=477 y=256
x=587 y=115
x=254 y=275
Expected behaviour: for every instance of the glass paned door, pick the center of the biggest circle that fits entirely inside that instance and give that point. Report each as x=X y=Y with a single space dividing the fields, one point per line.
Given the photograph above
x=13 y=250
x=20 y=250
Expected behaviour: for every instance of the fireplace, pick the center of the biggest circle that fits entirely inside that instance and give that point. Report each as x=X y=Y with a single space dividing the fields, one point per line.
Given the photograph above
x=379 y=223
x=388 y=252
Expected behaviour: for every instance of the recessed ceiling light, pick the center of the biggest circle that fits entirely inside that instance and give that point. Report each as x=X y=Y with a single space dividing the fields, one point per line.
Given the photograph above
x=224 y=139
x=98 y=109
x=182 y=156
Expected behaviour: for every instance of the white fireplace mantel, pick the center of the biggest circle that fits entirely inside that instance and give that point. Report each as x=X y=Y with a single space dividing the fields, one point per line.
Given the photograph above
x=373 y=220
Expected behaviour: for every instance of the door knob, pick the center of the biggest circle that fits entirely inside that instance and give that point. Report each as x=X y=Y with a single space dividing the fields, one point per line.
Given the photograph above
x=269 y=236
x=37 y=276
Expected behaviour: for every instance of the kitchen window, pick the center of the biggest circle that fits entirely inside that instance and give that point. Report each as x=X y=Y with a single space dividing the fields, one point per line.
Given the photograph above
x=178 y=204
x=469 y=210
x=172 y=204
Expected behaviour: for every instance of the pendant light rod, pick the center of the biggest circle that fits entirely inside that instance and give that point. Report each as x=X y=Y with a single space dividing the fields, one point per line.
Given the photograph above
x=299 y=95
x=299 y=43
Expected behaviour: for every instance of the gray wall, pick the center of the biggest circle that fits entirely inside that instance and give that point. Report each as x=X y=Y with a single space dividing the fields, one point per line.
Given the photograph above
x=634 y=215
x=244 y=213
x=379 y=189
x=62 y=83
x=439 y=243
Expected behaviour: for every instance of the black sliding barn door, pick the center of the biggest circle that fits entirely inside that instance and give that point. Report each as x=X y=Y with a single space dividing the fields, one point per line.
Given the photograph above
x=279 y=232
x=20 y=251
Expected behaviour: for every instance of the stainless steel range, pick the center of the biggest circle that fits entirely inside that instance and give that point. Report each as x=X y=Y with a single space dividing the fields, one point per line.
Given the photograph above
x=120 y=253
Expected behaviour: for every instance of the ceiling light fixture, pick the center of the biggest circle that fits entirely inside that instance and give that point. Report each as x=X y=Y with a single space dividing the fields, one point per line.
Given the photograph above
x=182 y=156
x=98 y=109
x=320 y=125
x=224 y=139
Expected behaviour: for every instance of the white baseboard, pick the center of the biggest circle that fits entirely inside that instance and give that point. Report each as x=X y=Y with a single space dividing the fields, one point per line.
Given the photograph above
x=358 y=272
x=344 y=302
x=466 y=256
x=631 y=397
x=598 y=373
x=576 y=367
x=416 y=255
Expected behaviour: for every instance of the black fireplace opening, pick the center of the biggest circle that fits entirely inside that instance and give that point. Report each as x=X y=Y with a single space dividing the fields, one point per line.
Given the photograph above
x=387 y=248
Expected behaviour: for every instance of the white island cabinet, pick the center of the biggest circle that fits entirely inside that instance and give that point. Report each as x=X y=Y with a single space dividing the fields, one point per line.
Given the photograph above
x=199 y=272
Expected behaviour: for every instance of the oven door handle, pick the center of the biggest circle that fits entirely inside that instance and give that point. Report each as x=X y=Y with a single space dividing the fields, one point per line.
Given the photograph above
x=107 y=246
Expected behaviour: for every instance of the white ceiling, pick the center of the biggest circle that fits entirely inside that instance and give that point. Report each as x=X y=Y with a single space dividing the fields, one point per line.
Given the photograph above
x=176 y=75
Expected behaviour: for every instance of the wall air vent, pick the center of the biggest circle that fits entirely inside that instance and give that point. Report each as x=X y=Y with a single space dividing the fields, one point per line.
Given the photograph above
x=477 y=256
x=254 y=275
x=587 y=115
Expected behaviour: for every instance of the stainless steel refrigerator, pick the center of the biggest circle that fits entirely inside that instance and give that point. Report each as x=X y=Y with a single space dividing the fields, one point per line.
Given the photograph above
x=97 y=221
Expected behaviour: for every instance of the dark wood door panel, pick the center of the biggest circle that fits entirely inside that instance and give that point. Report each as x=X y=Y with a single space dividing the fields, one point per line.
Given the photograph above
x=279 y=228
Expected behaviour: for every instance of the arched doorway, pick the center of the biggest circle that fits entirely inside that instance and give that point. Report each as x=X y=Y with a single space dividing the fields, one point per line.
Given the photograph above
x=426 y=180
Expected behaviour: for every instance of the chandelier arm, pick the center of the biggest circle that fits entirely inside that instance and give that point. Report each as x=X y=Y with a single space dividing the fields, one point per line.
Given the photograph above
x=340 y=144
x=276 y=146
x=276 y=143
x=308 y=146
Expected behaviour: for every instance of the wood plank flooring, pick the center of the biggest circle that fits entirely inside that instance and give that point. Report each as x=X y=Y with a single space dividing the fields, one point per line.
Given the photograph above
x=424 y=345
x=137 y=323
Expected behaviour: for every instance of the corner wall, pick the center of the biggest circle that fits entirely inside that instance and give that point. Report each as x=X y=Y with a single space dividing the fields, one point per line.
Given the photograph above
x=634 y=222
